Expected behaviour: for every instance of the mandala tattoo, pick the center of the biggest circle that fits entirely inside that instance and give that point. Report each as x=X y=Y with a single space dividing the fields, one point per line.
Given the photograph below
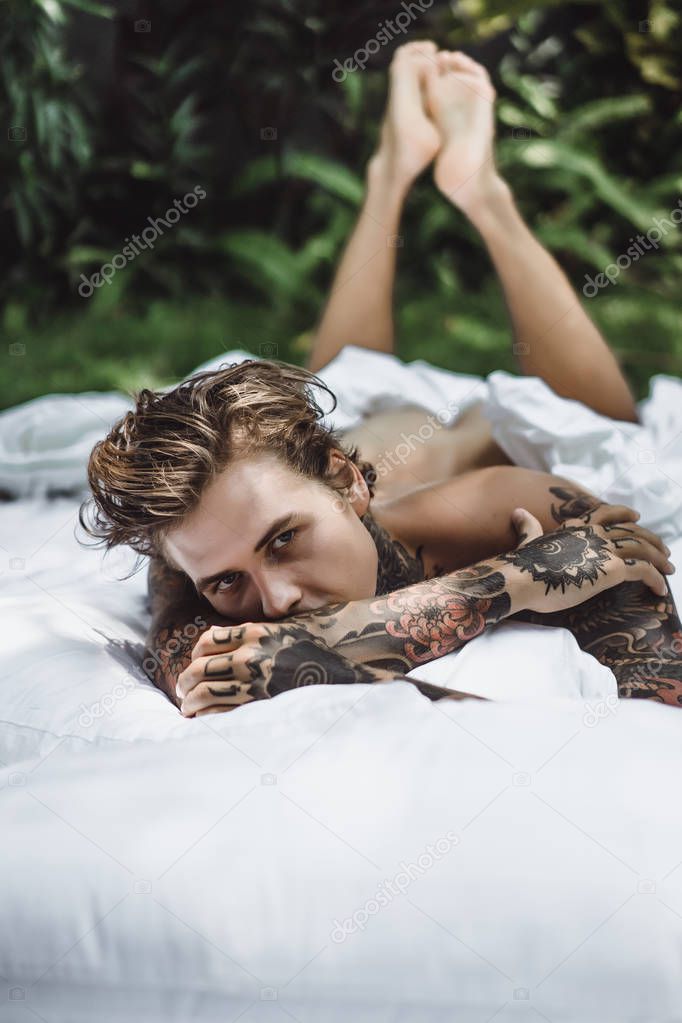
x=564 y=558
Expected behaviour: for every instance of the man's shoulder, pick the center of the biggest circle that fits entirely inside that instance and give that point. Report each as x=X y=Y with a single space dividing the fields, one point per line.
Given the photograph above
x=439 y=499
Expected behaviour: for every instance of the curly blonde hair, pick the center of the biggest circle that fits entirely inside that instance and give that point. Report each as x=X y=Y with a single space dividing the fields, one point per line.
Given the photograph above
x=150 y=471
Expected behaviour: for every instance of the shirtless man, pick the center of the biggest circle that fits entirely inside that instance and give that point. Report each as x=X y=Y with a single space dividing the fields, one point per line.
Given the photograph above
x=263 y=522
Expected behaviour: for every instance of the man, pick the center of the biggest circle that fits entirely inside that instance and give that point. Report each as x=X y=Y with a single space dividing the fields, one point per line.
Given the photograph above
x=264 y=522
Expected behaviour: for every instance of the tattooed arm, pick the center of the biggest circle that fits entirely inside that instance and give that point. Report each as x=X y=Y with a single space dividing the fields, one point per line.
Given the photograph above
x=178 y=616
x=371 y=640
x=635 y=634
x=447 y=612
x=299 y=661
x=631 y=630
x=254 y=661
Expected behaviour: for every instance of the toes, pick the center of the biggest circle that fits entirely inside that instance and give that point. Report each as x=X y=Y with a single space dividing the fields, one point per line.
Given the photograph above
x=452 y=61
x=456 y=60
x=471 y=64
x=419 y=50
x=443 y=60
x=424 y=48
x=428 y=81
x=469 y=73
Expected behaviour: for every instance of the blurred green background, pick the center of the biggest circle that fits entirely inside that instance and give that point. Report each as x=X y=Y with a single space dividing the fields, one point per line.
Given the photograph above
x=114 y=109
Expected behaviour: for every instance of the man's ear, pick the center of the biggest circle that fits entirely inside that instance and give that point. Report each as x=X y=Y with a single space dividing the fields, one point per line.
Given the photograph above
x=357 y=495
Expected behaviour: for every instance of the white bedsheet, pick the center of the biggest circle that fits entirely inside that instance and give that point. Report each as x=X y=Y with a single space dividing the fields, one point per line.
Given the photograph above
x=159 y=868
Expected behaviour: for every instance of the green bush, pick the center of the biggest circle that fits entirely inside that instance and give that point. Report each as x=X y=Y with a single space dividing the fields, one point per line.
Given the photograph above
x=108 y=123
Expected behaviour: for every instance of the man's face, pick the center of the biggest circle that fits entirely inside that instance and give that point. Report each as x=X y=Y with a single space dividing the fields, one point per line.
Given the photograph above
x=265 y=543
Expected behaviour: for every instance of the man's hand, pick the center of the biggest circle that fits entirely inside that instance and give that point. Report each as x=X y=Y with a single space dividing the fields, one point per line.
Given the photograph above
x=567 y=566
x=236 y=665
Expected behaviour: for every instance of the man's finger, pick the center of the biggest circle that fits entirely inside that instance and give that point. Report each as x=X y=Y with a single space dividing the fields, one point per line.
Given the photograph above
x=645 y=572
x=219 y=638
x=526 y=525
x=643 y=549
x=628 y=544
x=212 y=694
x=632 y=529
x=216 y=666
x=653 y=538
x=608 y=514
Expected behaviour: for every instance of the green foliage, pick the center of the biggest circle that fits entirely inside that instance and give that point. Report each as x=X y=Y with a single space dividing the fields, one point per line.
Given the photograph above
x=109 y=120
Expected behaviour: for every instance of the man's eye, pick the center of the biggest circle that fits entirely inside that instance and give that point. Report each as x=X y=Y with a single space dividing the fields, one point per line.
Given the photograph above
x=286 y=537
x=226 y=582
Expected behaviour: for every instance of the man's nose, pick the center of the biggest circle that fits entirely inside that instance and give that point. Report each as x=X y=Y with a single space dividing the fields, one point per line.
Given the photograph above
x=279 y=597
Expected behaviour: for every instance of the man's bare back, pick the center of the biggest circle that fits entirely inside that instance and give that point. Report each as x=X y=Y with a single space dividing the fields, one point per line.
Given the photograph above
x=447 y=451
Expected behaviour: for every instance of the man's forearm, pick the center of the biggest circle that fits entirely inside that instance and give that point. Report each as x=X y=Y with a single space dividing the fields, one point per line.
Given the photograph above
x=629 y=629
x=555 y=338
x=415 y=625
x=359 y=309
x=179 y=616
x=424 y=621
x=302 y=662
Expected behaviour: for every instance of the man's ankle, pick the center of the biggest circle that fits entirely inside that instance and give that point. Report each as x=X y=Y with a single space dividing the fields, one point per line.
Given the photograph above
x=381 y=177
x=487 y=201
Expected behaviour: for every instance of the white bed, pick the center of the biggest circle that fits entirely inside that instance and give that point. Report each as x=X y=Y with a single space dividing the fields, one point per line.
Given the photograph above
x=341 y=851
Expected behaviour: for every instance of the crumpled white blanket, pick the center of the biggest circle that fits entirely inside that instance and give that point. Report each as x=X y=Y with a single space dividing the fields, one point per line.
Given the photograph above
x=624 y=463
x=45 y=443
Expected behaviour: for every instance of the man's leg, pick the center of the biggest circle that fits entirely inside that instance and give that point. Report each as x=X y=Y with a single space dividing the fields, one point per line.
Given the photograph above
x=555 y=339
x=359 y=309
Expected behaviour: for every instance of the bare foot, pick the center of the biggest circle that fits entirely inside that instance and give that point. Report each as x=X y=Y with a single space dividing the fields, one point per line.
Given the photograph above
x=409 y=140
x=460 y=99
